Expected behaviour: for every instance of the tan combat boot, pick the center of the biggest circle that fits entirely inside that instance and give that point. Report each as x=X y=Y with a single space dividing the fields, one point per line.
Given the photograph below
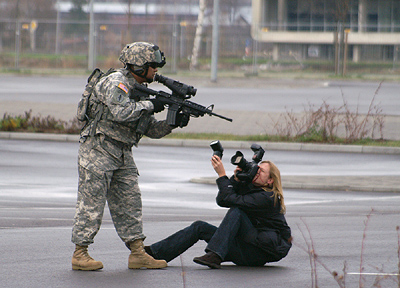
x=140 y=259
x=82 y=261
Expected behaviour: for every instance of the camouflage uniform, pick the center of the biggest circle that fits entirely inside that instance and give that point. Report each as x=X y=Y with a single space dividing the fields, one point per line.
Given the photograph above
x=107 y=171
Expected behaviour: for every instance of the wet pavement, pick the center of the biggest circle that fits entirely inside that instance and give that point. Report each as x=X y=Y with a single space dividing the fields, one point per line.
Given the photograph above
x=350 y=230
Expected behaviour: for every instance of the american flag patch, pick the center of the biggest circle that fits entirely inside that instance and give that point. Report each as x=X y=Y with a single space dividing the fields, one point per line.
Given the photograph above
x=123 y=87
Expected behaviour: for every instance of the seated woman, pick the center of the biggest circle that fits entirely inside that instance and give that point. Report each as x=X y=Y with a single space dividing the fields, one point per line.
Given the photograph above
x=254 y=230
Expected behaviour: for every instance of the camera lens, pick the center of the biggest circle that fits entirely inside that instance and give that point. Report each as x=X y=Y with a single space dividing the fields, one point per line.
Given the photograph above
x=237 y=160
x=217 y=148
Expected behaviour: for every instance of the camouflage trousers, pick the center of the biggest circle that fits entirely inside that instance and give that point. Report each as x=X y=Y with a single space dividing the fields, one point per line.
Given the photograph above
x=107 y=173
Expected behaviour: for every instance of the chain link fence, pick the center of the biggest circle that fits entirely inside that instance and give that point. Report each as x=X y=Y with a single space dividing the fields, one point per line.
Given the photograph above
x=48 y=44
x=39 y=44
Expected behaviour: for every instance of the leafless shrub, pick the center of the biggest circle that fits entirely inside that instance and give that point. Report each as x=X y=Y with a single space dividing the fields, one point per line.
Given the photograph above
x=357 y=125
x=341 y=278
x=362 y=279
x=310 y=250
x=322 y=124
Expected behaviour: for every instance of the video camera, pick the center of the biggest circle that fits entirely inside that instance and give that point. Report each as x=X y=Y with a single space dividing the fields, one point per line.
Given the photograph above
x=249 y=169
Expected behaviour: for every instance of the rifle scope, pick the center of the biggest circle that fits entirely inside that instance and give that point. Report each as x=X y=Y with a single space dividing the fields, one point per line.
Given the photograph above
x=180 y=89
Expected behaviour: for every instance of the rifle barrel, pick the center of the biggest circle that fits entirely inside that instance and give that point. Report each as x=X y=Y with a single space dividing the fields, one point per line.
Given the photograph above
x=222 y=117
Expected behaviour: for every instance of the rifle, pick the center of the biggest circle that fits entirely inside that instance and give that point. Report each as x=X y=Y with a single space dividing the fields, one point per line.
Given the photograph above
x=177 y=101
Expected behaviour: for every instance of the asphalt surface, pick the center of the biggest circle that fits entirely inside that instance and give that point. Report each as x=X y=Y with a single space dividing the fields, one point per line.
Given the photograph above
x=349 y=218
x=355 y=231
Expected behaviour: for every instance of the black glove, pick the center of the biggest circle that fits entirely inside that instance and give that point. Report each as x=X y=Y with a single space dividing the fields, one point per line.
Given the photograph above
x=182 y=120
x=158 y=105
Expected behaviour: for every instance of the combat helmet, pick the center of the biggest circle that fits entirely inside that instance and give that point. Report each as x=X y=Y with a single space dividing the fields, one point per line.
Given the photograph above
x=142 y=54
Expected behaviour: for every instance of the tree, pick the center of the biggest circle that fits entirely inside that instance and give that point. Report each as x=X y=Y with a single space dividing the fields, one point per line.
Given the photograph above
x=198 y=36
x=76 y=13
x=341 y=14
x=342 y=10
x=126 y=34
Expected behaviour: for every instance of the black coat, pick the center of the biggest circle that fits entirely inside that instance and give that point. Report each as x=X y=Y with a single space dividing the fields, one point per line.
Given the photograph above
x=274 y=234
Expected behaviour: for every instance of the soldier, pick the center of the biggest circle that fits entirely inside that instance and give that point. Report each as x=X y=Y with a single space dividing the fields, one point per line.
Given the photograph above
x=107 y=172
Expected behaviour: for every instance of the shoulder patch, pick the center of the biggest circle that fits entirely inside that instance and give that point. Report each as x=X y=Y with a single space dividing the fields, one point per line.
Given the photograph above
x=119 y=96
x=123 y=87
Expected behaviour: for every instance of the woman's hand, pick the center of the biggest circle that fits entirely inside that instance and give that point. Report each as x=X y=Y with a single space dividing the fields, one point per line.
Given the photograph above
x=218 y=166
x=237 y=169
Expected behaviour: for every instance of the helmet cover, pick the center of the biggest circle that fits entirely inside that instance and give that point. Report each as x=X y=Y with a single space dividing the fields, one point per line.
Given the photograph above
x=142 y=53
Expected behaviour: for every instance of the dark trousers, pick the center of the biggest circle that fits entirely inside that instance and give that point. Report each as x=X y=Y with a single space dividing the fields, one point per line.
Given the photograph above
x=234 y=240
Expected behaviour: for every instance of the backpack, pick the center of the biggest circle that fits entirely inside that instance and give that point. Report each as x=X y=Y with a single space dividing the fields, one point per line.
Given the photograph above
x=83 y=104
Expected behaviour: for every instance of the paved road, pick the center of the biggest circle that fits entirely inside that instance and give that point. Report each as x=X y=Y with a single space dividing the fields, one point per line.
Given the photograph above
x=255 y=104
x=38 y=188
x=252 y=94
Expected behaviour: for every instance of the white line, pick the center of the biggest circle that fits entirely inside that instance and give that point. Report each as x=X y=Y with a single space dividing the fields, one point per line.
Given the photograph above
x=373 y=274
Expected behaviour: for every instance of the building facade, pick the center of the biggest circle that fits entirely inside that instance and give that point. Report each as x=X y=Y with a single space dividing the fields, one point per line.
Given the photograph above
x=370 y=29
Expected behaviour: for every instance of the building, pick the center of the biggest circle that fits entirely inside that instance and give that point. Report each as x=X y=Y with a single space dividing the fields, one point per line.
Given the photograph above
x=370 y=29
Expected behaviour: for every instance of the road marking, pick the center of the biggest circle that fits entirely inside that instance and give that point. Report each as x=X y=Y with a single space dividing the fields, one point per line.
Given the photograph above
x=373 y=274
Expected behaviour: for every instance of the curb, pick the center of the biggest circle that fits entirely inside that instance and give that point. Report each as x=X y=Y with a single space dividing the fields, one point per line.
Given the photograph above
x=354 y=184
x=278 y=146
x=39 y=136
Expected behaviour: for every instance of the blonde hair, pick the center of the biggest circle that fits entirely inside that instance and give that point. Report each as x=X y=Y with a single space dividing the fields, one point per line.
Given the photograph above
x=275 y=174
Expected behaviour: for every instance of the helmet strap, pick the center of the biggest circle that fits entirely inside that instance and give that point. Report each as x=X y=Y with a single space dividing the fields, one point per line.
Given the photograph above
x=140 y=71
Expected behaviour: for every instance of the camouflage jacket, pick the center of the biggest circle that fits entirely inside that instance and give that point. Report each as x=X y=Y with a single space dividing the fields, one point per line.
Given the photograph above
x=120 y=114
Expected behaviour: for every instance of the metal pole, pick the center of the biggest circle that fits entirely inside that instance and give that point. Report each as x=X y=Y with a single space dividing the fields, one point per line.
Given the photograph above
x=91 y=50
x=182 y=41
x=255 y=54
x=346 y=37
x=174 y=45
x=215 y=44
x=58 y=28
x=17 y=36
x=17 y=44
x=174 y=40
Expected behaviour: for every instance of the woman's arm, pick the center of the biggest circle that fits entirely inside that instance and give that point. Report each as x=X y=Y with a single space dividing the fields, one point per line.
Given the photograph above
x=218 y=166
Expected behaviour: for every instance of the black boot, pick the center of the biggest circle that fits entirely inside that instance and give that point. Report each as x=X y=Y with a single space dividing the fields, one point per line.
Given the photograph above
x=210 y=259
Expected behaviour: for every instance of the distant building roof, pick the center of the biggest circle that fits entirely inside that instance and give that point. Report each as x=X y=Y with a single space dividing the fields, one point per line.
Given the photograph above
x=242 y=13
x=136 y=8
